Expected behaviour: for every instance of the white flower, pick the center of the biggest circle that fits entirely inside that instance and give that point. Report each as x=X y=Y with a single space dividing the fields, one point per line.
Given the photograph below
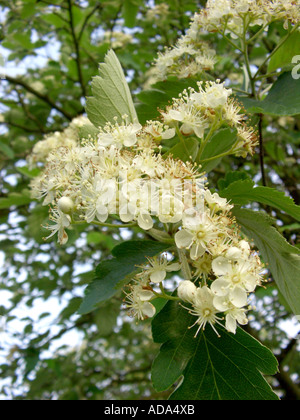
x=186 y=291
x=159 y=131
x=234 y=279
x=193 y=121
x=170 y=209
x=215 y=95
x=233 y=315
x=119 y=135
x=216 y=203
x=196 y=234
x=158 y=268
x=138 y=302
x=61 y=221
x=204 y=309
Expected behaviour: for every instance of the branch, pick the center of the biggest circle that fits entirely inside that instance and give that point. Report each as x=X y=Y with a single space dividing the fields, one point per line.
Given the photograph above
x=261 y=151
x=43 y=97
x=77 y=50
x=98 y=6
x=27 y=129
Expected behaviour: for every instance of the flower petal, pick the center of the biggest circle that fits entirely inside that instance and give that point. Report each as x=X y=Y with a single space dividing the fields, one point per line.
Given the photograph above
x=148 y=309
x=158 y=276
x=183 y=239
x=238 y=297
x=220 y=287
x=221 y=266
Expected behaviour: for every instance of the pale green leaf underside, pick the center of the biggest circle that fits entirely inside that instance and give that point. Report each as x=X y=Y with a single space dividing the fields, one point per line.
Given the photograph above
x=111 y=95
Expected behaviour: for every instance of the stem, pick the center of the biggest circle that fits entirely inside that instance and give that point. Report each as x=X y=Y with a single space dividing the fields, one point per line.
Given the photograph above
x=217 y=156
x=182 y=140
x=275 y=50
x=213 y=128
x=164 y=295
x=45 y=98
x=110 y=225
x=77 y=49
x=247 y=62
x=229 y=41
x=185 y=267
x=261 y=150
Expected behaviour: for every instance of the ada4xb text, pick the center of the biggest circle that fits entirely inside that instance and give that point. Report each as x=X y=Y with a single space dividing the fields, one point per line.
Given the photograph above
x=153 y=409
x=168 y=409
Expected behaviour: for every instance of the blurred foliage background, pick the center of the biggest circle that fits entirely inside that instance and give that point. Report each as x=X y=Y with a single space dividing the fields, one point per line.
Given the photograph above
x=52 y=49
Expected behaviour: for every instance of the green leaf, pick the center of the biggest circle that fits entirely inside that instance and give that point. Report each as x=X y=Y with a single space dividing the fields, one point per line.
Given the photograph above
x=29 y=173
x=106 y=317
x=14 y=199
x=282 y=100
x=284 y=55
x=130 y=10
x=111 y=94
x=153 y=97
x=185 y=152
x=53 y=19
x=225 y=368
x=110 y=273
x=232 y=177
x=283 y=259
x=8 y=151
x=221 y=142
x=242 y=192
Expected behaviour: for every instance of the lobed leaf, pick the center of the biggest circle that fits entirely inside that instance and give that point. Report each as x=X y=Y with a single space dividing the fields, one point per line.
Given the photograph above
x=213 y=368
x=283 y=259
x=111 y=95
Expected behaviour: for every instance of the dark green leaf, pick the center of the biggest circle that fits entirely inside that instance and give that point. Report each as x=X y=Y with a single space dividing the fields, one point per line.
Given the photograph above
x=229 y=367
x=130 y=9
x=110 y=273
x=221 y=142
x=283 y=259
x=7 y=150
x=15 y=199
x=284 y=55
x=242 y=192
x=282 y=100
x=185 y=152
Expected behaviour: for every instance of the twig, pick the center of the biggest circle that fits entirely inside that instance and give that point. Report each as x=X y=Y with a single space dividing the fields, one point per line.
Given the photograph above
x=88 y=17
x=45 y=98
x=261 y=150
x=77 y=50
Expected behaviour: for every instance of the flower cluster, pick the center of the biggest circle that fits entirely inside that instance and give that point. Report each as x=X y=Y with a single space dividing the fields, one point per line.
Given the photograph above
x=211 y=107
x=142 y=290
x=224 y=262
x=121 y=174
x=185 y=59
x=117 y=39
x=192 y=55
x=67 y=138
x=225 y=269
x=235 y=16
x=115 y=174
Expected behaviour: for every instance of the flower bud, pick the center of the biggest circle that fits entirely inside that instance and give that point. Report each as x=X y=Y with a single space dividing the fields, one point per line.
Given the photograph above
x=66 y=205
x=186 y=291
